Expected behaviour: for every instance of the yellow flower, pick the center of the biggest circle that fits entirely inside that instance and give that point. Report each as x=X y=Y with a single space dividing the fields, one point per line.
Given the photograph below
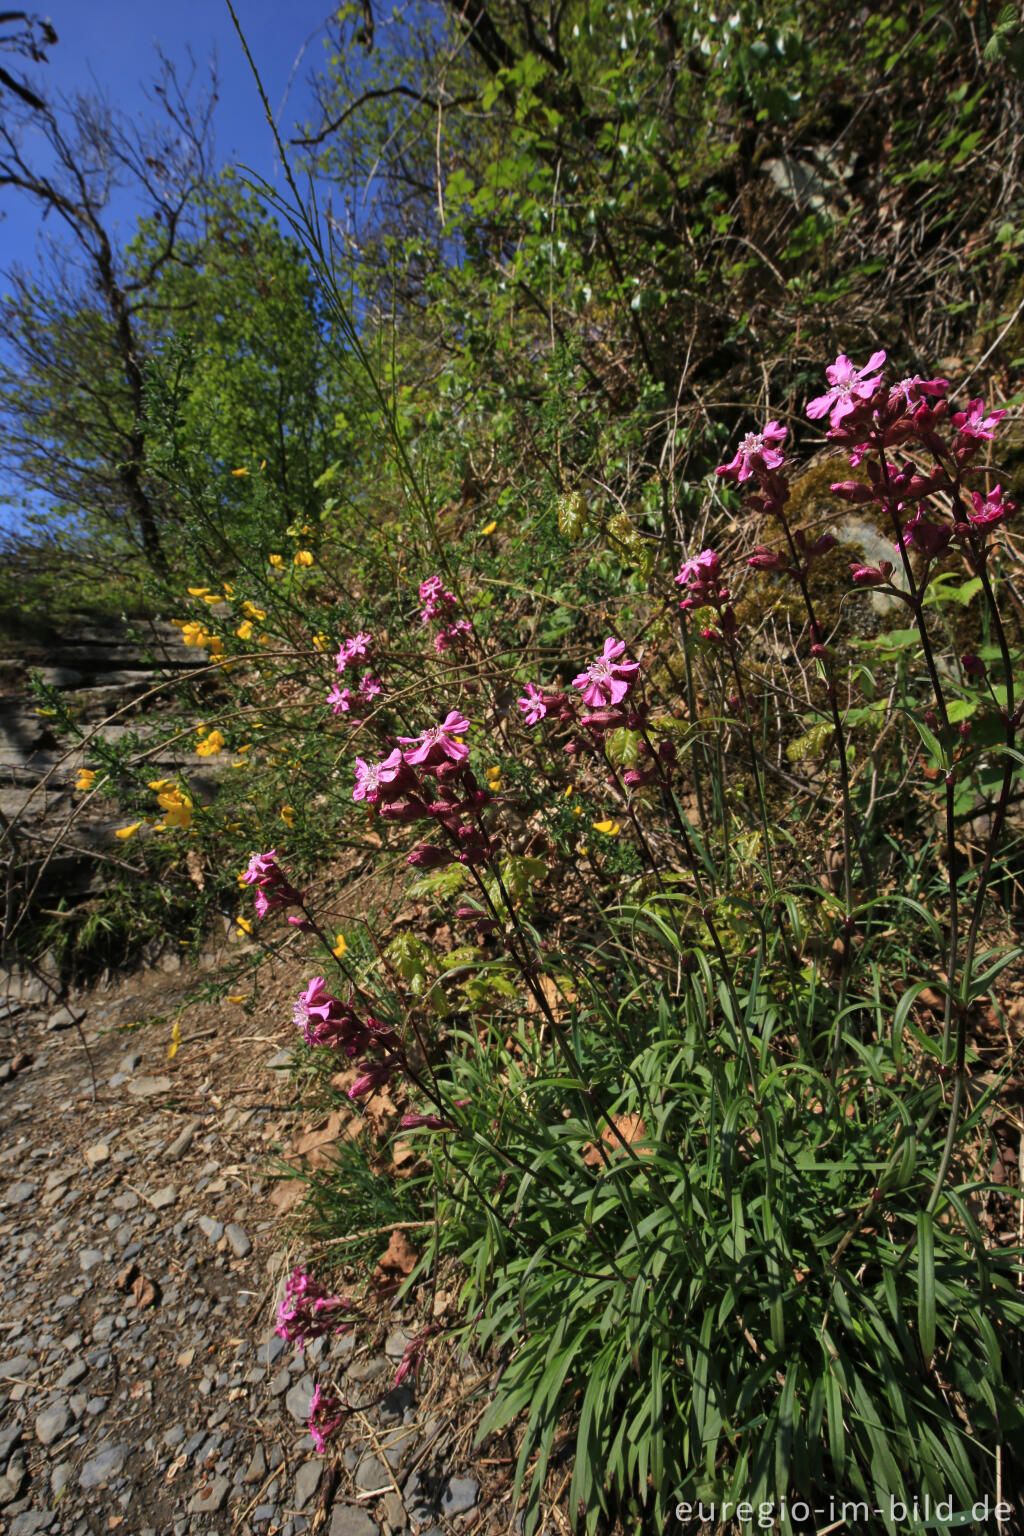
x=493 y=773
x=244 y=631
x=198 y=591
x=213 y=597
x=193 y=633
x=162 y=785
x=213 y=744
x=86 y=778
x=303 y=557
x=229 y=590
x=277 y=561
x=577 y=810
x=288 y=815
x=263 y=463
x=236 y=997
x=214 y=644
x=252 y=612
x=244 y=924
x=339 y=946
x=321 y=642
x=609 y=828
x=246 y=748
x=489 y=529
x=172 y=1049
x=124 y=833
x=238 y=472
x=177 y=809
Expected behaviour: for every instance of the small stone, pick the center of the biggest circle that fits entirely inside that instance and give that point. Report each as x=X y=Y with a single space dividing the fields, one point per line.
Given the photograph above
x=130 y=1062
x=349 y=1521
x=149 y=1088
x=281 y=1382
x=307 y=1481
x=213 y=1230
x=126 y=1201
x=163 y=1197
x=209 y=1497
x=74 y=1372
x=257 y=1468
x=88 y=1258
x=17 y=1368
x=97 y=1155
x=9 y=1437
x=271 y=1349
x=95 y=1405
x=396 y=1344
x=107 y=1463
x=238 y=1239
x=181 y=1143
x=60 y=1477
x=366 y=1370
x=372 y=1476
x=394 y=1511
x=20 y=1192
x=299 y=1398
x=459 y=1494
x=11 y=1482
x=30 y=1521
x=52 y=1423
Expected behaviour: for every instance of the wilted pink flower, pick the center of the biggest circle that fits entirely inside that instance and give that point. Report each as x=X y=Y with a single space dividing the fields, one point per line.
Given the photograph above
x=930 y=538
x=326 y=1414
x=372 y=779
x=973 y=665
x=756 y=452
x=608 y=679
x=974 y=424
x=275 y=891
x=426 y=1122
x=326 y=1021
x=853 y=490
x=453 y=634
x=308 y=1311
x=991 y=509
x=438 y=742
x=413 y=1354
x=428 y=857
x=849 y=386
x=340 y=700
x=358 y=648
x=375 y=1075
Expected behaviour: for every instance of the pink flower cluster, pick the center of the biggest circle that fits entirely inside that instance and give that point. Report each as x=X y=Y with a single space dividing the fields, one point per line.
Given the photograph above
x=400 y=787
x=604 y=686
x=701 y=579
x=326 y=1021
x=275 y=892
x=354 y=651
x=438 y=606
x=308 y=1311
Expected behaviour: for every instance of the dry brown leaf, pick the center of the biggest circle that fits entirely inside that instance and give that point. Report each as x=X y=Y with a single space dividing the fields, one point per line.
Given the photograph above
x=194 y=865
x=287 y=1194
x=398 y=1259
x=630 y=1128
x=144 y=1291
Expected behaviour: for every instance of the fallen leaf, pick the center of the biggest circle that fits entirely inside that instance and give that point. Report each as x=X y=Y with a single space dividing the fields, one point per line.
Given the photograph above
x=630 y=1128
x=399 y=1258
x=145 y=1292
x=287 y=1194
x=194 y=865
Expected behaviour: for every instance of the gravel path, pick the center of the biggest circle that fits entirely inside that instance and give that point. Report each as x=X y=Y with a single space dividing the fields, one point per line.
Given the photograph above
x=141 y=1386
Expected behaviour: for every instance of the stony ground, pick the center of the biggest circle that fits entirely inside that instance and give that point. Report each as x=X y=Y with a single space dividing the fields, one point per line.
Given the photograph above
x=142 y=1387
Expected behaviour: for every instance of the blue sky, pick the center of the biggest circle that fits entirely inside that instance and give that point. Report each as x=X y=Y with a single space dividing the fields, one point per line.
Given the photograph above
x=109 y=47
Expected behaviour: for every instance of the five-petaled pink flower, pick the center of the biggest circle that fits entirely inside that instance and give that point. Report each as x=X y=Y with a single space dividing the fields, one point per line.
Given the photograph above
x=973 y=423
x=911 y=391
x=437 y=602
x=372 y=778
x=340 y=700
x=756 y=452
x=849 y=386
x=370 y=686
x=703 y=568
x=358 y=648
x=438 y=743
x=608 y=679
x=991 y=509
x=533 y=704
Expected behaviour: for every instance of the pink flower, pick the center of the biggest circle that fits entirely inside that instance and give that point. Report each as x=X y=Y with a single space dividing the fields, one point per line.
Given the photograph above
x=608 y=679
x=375 y=1075
x=370 y=686
x=340 y=700
x=326 y=1021
x=756 y=453
x=326 y=1415
x=454 y=634
x=275 y=891
x=974 y=424
x=703 y=568
x=909 y=392
x=767 y=560
x=991 y=509
x=930 y=538
x=413 y=1354
x=438 y=743
x=426 y=1122
x=262 y=866
x=372 y=780
x=358 y=648
x=850 y=386
x=428 y=857
x=308 y=1311
x=533 y=705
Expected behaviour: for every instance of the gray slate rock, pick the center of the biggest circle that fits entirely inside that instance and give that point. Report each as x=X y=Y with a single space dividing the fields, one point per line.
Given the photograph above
x=107 y=1463
x=52 y=1423
x=238 y=1239
x=460 y=1494
x=213 y=1230
x=298 y=1399
x=181 y=1143
x=17 y=1367
x=206 y=1500
x=30 y=1521
x=307 y=1481
x=149 y=1087
x=372 y=1476
x=88 y=1258
x=348 y=1521
x=20 y=1192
